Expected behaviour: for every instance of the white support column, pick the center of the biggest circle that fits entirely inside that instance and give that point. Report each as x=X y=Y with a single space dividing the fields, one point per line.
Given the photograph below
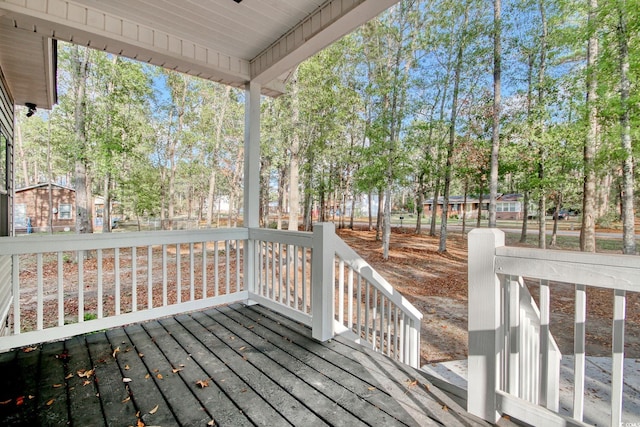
x=484 y=323
x=251 y=207
x=322 y=287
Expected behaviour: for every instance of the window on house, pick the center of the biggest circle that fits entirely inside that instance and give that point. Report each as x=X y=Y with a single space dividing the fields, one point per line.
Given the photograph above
x=20 y=212
x=64 y=211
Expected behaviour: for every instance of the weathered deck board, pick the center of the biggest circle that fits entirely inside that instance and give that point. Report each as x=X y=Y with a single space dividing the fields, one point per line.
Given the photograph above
x=404 y=387
x=260 y=369
x=214 y=401
x=84 y=401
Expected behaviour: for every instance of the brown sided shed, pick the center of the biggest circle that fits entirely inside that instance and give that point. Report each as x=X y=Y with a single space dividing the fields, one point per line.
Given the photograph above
x=33 y=203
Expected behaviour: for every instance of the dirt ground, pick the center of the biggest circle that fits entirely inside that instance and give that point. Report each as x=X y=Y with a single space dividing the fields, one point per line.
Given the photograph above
x=437 y=285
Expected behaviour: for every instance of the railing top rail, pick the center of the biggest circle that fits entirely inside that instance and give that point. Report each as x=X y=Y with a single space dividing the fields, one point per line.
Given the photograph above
x=605 y=271
x=612 y=260
x=299 y=238
x=353 y=260
x=74 y=242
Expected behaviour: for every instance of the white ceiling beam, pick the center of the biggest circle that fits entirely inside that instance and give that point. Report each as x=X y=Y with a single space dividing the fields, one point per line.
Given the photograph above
x=327 y=24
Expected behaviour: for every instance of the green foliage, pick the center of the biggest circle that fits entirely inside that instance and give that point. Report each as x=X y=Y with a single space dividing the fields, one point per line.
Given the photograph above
x=372 y=113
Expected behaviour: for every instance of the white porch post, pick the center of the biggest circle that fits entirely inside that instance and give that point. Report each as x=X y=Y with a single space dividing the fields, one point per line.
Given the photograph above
x=484 y=323
x=251 y=214
x=322 y=307
x=251 y=207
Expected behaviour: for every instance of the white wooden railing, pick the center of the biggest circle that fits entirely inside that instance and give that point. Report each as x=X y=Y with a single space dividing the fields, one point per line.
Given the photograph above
x=370 y=310
x=320 y=281
x=502 y=379
x=64 y=285
x=52 y=287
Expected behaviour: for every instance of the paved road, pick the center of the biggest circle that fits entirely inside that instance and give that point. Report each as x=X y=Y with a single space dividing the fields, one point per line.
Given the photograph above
x=532 y=229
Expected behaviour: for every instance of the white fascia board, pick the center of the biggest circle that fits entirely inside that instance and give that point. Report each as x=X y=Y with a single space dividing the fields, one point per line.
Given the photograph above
x=327 y=24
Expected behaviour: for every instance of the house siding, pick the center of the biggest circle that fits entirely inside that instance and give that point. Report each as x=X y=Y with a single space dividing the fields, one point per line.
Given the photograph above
x=6 y=206
x=6 y=128
x=37 y=207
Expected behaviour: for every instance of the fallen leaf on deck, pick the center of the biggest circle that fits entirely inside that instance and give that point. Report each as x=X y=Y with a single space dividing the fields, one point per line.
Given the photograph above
x=211 y=423
x=57 y=385
x=250 y=327
x=176 y=370
x=159 y=376
x=126 y=380
x=83 y=373
x=31 y=396
x=86 y=382
x=30 y=349
x=154 y=410
x=69 y=376
x=116 y=351
x=127 y=367
x=50 y=402
x=413 y=383
x=140 y=354
x=202 y=383
x=426 y=386
x=242 y=348
x=371 y=388
x=445 y=408
x=127 y=399
x=4 y=402
x=19 y=400
x=140 y=423
x=146 y=377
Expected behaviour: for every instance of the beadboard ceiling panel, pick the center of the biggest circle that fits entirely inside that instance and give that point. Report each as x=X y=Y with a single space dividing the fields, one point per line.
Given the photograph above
x=221 y=40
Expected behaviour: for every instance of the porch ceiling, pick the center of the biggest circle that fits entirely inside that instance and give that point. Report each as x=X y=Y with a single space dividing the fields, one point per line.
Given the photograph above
x=221 y=40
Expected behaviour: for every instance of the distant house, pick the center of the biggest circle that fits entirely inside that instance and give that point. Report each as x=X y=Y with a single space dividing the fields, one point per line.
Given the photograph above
x=508 y=206
x=32 y=208
x=456 y=206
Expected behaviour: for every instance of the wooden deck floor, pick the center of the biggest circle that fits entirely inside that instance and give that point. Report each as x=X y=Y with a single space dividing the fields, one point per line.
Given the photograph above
x=230 y=366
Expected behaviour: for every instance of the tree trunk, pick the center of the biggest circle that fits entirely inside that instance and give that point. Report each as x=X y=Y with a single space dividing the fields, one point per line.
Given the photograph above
x=588 y=229
x=525 y=217
x=82 y=177
x=106 y=211
x=386 y=234
x=556 y=218
x=495 y=139
x=370 y=209
x=464 y=206
x=628 y=214
x=434 y=207
x=380 y=213
x=479 y=219
x=420 y=203
x=442 y=247
x=216 y=148
x=542 y=230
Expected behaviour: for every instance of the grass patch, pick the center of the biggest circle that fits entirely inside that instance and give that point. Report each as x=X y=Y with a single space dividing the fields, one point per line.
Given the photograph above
x=569 y=243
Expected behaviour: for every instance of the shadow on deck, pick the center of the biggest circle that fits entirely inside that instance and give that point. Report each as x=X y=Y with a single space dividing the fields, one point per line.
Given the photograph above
x=232 y=365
